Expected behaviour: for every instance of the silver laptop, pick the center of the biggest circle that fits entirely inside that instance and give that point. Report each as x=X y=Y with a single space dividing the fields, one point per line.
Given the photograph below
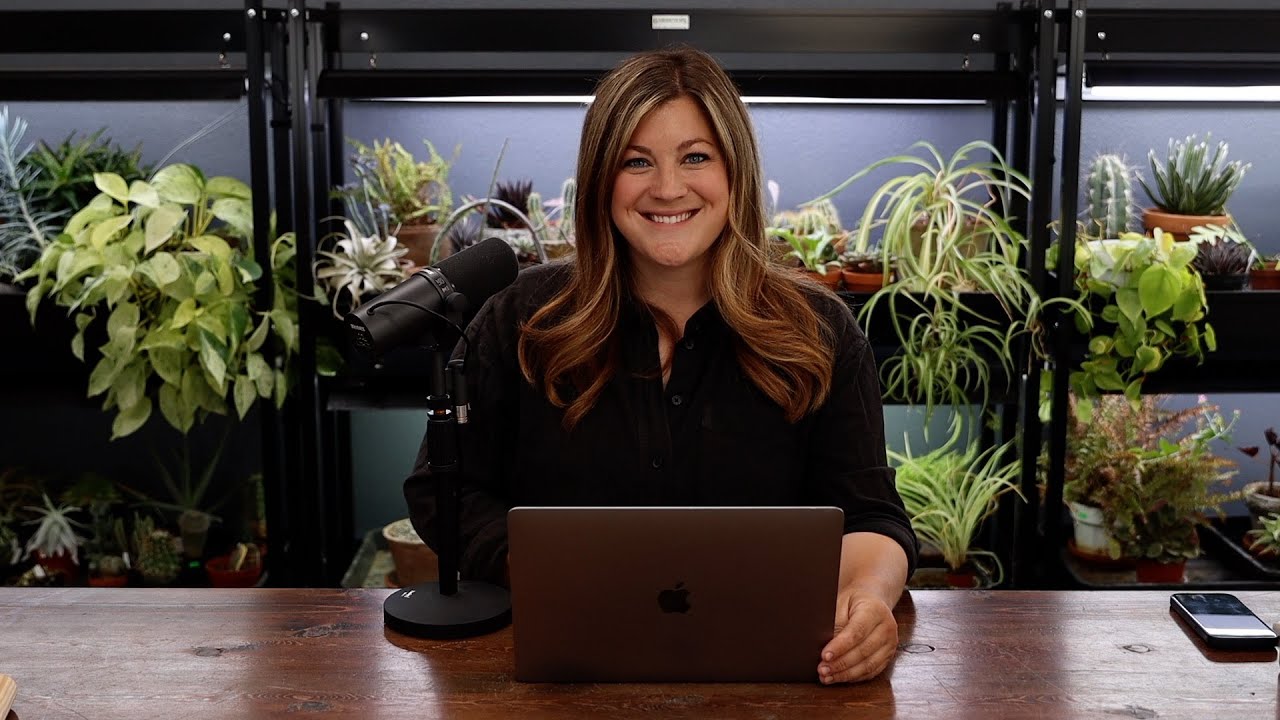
x=673 y=594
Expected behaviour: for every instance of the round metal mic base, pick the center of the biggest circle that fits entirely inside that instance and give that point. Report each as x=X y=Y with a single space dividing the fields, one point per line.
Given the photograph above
x=421 y=611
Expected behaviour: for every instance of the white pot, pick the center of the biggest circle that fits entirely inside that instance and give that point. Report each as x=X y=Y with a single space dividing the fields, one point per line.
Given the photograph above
x=1092 y=535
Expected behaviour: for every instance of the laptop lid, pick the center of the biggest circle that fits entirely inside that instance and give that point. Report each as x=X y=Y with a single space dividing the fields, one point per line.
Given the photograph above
x=647 y=594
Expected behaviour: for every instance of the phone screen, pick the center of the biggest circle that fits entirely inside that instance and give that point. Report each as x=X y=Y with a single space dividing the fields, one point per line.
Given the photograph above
x=1220 y=613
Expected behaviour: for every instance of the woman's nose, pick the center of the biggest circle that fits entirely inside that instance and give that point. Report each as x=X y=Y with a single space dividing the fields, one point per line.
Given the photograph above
x=668 y=184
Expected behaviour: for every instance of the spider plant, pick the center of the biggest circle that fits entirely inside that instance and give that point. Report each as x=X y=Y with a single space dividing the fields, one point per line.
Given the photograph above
x=948 y=492
x=946 y=235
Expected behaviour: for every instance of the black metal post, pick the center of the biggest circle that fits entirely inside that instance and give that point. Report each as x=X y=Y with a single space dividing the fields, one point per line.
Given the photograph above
x=281 y=122
x=1066 y=256
x=308 y=537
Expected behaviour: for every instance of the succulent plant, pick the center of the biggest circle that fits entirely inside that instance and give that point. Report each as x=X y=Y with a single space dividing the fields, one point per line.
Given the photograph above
x=358 y=266
x=1265 y=541
x=1222 y=257
x=1109 y=188
x=515 y=193
x=55 y=531
x=26 y=228
x=157 y=554
x=1191 y=181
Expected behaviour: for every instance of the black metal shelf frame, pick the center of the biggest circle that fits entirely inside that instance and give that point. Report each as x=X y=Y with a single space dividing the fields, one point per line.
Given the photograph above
x=1218 y=47
x=985 y=55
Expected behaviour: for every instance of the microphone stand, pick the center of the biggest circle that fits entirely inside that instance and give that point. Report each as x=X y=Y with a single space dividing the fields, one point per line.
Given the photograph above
x=447 y=608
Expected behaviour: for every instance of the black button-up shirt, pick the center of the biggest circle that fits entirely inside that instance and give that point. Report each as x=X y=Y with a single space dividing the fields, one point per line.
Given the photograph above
x=709 y=437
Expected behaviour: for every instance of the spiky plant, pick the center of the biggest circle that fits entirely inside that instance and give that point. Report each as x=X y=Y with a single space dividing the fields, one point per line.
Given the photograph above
x=65 y=182
x=25 y=229
x=1191 y=181
x=515 y=193
x=1221 y=251
x=55 y=530
x=357 y=267
x=157 y=554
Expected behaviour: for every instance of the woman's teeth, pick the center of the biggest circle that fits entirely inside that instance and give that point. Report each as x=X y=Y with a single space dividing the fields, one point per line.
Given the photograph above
x=670 y=219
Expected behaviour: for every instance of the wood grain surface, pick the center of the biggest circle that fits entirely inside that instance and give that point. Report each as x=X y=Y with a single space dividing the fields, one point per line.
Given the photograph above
x=275 y=653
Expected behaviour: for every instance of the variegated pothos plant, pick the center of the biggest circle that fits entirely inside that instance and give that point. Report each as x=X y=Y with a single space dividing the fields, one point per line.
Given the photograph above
x=170 y=263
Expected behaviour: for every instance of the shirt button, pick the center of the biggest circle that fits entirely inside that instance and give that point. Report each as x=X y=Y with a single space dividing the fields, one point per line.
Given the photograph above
x=657 y=462
x=677 y=400
x=688 y=344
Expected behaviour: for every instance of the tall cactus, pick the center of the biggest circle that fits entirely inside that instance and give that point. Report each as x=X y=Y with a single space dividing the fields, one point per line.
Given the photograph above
x=537 y=217
x=569 y=196
x=1110 y=196
x=821 y=216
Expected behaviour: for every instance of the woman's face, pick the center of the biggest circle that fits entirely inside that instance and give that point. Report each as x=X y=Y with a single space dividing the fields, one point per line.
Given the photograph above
x=671 y=197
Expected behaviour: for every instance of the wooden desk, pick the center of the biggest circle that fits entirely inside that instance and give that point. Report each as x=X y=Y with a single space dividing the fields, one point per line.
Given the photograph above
x=177 y=654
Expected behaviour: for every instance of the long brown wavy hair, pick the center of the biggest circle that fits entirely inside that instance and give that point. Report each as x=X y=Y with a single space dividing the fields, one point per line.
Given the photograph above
x=571 y=347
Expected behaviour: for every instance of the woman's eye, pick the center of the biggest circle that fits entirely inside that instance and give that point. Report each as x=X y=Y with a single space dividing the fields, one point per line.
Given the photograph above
x=635 y=162
x=697 y=158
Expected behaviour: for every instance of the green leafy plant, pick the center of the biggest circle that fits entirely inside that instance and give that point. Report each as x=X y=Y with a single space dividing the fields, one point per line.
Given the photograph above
x=65 y=180
x=945 y=234
x=409 y=191
x=1154 y=308
x=1191 y=181
x=170 y=265
x=948 y=492
x=26 y=228
x=1153 y=508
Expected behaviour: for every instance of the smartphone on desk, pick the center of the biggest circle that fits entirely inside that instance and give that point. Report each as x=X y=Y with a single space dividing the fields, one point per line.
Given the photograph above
x=1222 y=621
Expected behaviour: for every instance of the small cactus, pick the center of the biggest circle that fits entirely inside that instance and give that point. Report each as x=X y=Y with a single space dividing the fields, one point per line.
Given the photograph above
x=158 y=559
x=1110 y=196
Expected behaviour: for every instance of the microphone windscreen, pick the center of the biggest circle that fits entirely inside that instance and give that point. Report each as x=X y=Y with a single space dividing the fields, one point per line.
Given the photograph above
x=481 y=270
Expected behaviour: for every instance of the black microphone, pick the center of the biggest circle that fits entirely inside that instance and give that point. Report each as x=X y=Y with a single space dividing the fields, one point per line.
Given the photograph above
x=455 y=288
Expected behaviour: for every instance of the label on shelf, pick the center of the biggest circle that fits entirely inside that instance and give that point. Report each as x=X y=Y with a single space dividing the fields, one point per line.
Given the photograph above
x=670 y=22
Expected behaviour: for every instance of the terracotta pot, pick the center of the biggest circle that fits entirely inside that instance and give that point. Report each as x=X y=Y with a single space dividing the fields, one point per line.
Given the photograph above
x=419 y=239
x=1267 y=278
x=1150 y=571
x=222 y=576
x=108 y=581
x=1179 y=226
x=1259 y=503
x=965 y=578
x=415 y=562
x=862 y=281
x=831 y=279
x=61 y=564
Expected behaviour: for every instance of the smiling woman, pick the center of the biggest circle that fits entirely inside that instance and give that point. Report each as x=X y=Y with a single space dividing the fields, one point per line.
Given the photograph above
x=671 y=363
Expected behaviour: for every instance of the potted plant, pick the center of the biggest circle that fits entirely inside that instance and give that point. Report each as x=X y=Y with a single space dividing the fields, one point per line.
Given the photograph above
x=961 y=298
x=814 y=252
x=1265 y=273
x=1099 y=458
x=414 y=561
x=1192 y=187
x=1263 y=498
x=156 y=552
x=1223 y=257
x=25 y=226
x=1140 y=303
x=107 y=553
x=168 y=265
x=55 y=545
x=240 y=568
x=948 y=492
x=864 y=271
x=1154 y=510
x=1264 y=540
x=415 y=193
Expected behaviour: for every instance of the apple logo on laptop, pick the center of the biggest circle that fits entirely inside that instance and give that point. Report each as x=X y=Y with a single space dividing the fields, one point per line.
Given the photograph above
x=674 y=600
